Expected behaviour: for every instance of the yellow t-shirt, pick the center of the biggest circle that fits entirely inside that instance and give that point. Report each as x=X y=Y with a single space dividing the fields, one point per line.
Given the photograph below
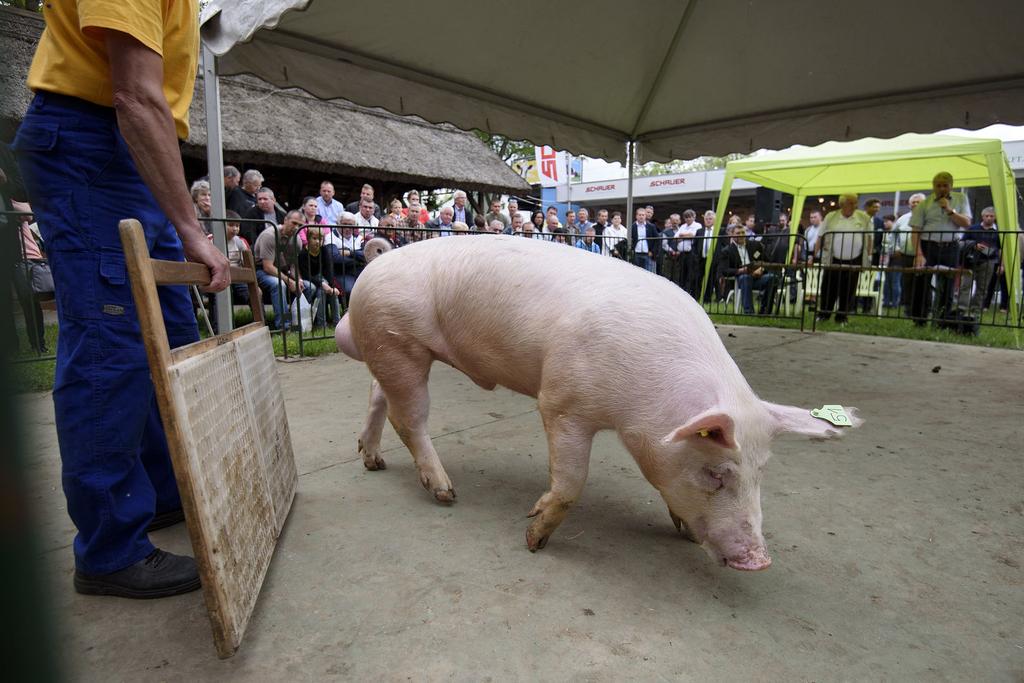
x=71 y=58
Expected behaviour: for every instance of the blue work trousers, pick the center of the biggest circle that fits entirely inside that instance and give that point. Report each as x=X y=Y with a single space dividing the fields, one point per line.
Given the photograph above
x=116 y=471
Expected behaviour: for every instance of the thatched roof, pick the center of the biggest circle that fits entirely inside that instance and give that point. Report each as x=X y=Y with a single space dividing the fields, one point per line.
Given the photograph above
x=289 y=128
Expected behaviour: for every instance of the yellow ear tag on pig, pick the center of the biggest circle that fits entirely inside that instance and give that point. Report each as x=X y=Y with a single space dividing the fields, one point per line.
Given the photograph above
x=834 y=414
x=703 y=432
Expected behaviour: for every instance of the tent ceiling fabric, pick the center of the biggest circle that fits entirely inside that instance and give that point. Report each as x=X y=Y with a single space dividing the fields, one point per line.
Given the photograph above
x=687 y=78
x=872 y=165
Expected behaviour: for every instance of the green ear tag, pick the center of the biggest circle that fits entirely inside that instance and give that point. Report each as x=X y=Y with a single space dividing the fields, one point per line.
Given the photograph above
x=834 y=414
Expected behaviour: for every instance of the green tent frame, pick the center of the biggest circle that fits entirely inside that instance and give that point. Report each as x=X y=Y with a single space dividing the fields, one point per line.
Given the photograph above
x=872 y=165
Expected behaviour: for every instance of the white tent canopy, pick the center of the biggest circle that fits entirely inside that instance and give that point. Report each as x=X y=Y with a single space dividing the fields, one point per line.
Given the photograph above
x=681 y=78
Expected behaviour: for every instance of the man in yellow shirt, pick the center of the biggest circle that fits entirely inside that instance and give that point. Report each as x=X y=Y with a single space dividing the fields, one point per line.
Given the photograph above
x=113 y=81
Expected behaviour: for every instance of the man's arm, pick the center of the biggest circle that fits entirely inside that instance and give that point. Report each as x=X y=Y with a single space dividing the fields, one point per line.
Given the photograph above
x=145 y=121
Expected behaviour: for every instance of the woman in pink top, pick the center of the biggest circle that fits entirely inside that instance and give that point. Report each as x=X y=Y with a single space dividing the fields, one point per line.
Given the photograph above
x=309 y=217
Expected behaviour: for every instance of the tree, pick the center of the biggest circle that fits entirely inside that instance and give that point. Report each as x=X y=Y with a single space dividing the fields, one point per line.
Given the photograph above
x=691 y=166
x=509 y=151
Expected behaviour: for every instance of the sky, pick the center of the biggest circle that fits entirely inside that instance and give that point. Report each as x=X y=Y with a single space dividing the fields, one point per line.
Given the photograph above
x=597 y=169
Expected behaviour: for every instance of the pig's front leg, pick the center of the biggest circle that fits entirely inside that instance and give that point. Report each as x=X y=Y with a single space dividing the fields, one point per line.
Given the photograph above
x=569 y=452
x=403 y=378
x=369 y=440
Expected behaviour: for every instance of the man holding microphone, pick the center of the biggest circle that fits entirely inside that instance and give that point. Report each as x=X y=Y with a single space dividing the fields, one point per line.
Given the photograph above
x=935 y=233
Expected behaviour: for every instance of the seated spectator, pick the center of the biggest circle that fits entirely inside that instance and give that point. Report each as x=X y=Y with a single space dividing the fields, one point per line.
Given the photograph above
x=461 y=210
x=442 y=225
x=515 y=226
x=366 y=218
x=560 y=236
x=845 y=239
x=615 y=241
x=327 y=207
x=743 y=260
x=316 y=269
x=203 y=204
x=552 y=211
x=980 y=253
x=513 y=208
x=265 y=209
x=536 y=222
x=388 y=229
x=241 y=198
x=236 y=246
x=365 y=195
x=496 y=227
x=750 y=225
x=347 y=254
x=310 y=216
x=396 y=211
x=275 y=252
x=479 y=225
x=587 y=241
x=528 y=231
x=495 y=214
x=551 y=225
x=416 y=208
x=460 y=228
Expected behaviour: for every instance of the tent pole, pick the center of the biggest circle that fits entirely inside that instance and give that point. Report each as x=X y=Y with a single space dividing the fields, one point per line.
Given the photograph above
x=723 y=202
x=631 y=158
x=215 y=165
x=794 y=221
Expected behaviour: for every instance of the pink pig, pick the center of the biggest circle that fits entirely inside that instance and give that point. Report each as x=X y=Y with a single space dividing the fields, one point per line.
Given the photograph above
x=511 y=311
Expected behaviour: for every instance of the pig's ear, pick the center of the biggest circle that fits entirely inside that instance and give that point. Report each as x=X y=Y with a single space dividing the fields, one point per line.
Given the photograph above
x=713 y=425
x=794 y=420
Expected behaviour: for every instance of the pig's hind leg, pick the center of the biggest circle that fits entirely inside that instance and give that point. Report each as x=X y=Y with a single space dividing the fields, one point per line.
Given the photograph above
x=569 y=441
x=403 y=379
x=369 y=440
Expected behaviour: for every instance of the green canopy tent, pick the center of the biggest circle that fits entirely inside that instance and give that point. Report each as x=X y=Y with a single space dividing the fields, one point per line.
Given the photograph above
x=872 y=165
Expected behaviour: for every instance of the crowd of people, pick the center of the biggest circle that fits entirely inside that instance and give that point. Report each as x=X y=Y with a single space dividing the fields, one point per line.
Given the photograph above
x=316 y=250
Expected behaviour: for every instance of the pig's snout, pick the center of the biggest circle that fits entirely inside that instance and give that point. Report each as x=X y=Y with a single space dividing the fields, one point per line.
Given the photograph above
x=754 y=560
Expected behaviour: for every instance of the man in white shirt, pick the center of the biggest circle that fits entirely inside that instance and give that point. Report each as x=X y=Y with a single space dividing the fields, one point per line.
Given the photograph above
x=811 y=233
x=846 y=239
x=687 y=254
x=365 y=217
x=613 y=234
x=936 y=224
x=327 y=207
x=644 y=249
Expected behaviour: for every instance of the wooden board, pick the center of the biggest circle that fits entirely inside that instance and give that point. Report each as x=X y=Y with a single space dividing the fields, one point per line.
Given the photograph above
x=227 y=432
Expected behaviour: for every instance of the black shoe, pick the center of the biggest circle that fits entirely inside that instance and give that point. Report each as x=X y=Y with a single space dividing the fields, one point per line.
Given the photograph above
x=166 y=519
x=160 y=575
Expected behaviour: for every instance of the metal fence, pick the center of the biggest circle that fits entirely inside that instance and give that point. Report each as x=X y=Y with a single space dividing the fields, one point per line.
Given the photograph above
x=963 y=286
x=316 y=266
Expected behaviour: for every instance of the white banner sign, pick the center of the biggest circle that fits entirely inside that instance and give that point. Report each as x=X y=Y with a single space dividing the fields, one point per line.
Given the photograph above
x=550 y=166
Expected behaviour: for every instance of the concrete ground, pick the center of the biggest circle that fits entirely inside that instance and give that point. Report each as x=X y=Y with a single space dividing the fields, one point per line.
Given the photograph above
x=897 y=549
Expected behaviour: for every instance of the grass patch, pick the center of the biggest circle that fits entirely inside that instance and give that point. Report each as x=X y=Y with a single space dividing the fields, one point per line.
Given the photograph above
x=990 y=336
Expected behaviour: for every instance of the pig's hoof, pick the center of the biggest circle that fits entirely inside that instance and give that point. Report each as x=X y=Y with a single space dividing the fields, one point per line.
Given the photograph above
x=535 y=542
x=442 y=490
x=371 y=461
x=444 y=495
